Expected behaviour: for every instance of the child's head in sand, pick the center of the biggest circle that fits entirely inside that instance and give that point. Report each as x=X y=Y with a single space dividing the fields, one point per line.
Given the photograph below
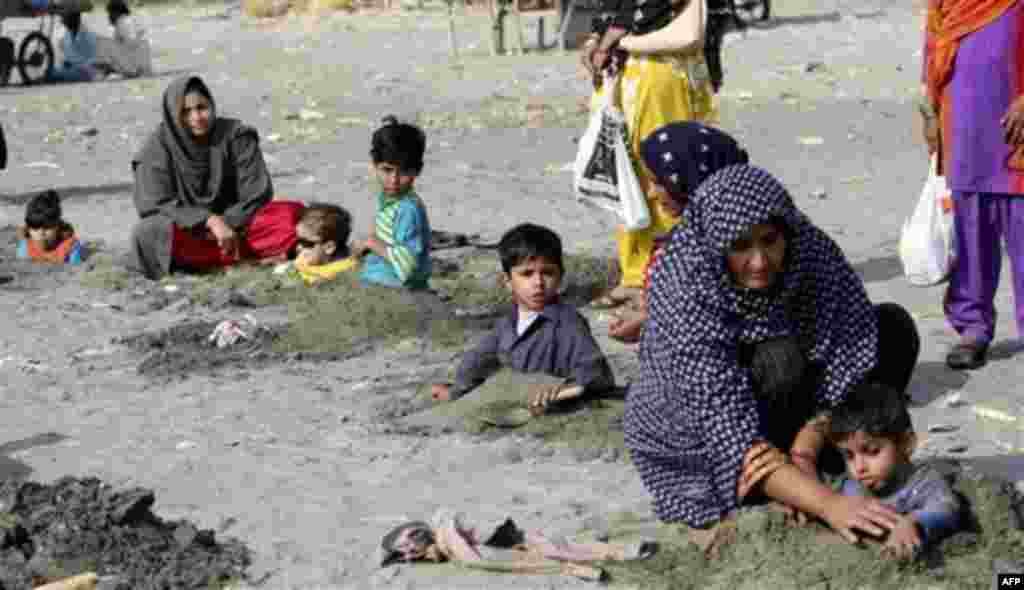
x=872 y=430
x=531 y=259
x=322 y=231
x=397 y=151
x=44 y=223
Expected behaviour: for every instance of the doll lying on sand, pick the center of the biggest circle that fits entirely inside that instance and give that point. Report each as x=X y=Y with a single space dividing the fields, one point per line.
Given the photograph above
x=501 y=548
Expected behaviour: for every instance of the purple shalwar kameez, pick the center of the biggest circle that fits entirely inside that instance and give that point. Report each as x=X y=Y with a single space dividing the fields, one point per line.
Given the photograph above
x=987 y=194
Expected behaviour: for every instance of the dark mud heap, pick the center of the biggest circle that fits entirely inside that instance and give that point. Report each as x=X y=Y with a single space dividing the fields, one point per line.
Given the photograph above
x=49 y=532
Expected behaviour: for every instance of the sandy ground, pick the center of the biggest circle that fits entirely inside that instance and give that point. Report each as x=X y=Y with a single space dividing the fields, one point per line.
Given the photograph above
x=298 y=459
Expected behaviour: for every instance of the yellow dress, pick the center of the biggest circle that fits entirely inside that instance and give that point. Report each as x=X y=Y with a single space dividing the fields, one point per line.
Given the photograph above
x=656 y=90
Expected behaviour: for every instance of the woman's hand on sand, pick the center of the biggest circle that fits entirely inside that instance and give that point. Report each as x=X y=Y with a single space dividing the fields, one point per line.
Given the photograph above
x=226 y=237
x=441 y=392
x=904 y=539
x=849 y=514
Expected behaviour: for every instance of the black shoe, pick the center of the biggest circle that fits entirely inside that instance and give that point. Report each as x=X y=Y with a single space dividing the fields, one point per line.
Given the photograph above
x=967 y=356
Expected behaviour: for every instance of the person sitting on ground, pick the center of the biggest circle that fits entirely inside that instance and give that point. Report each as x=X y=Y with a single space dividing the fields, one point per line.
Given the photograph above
x=756 y=325
x=873 y=431
x=128 y=52
x=78 y=51
x=398 y=252
x=322 y=251
x=540 y=334
x=203 y=192
x=46 y=237
x=680 y=156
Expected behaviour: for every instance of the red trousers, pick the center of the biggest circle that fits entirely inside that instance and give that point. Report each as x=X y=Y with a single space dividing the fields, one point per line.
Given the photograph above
x=271 y=233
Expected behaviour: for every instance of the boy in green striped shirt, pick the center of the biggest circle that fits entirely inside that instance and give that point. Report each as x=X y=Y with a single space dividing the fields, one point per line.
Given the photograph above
x=398 y=253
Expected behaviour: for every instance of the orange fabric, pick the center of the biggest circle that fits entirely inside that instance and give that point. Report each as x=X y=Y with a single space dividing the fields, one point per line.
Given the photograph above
x=949 y=21
x=59 y=254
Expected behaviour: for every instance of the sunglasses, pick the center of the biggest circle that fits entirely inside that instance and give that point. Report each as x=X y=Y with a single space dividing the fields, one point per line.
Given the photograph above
x=304 y=243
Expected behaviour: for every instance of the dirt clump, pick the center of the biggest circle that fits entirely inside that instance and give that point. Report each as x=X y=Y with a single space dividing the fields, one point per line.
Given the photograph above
x=48 y=532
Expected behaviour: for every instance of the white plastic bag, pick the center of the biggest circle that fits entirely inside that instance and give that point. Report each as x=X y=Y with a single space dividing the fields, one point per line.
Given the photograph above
x=927 y=249
x=603 y=174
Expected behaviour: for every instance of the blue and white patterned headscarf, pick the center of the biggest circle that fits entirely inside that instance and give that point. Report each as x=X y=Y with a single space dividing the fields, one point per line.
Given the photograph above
x=684 y=154
x=692 y=414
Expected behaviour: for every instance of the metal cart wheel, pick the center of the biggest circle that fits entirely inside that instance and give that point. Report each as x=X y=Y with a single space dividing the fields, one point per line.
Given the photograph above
x=6 y=60
x=35 y=57
x=752 y=10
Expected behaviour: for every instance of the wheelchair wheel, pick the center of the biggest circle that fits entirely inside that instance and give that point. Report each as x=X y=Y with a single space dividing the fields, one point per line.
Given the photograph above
x=6 y=60
x=752 y=10
x=35 y=57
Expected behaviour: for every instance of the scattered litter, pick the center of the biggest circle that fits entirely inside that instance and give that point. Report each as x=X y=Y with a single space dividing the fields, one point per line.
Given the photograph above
x=811 y=140
x=88 y=131
x=744 y=95
x=814 y=66
x=957 y=449
x=954 y=400
x=41 y=165
x=186 y=445
x=227 y=333
x=310 y=115
x=994 y=414
x=171 y=288
x=284 y=267
x=274 y=137
x=942 y=428
x=819 y=194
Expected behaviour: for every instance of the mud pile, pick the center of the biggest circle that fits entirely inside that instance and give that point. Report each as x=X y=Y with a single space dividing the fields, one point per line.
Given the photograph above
x=48 y=532
x=186 y=349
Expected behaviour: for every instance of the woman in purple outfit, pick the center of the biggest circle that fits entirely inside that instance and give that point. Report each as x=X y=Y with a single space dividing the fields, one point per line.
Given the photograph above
x=974 y=119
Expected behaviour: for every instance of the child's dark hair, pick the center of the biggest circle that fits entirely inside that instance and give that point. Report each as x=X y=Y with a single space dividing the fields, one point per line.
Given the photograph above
x=116 y=9
x=399 y=143
x=43 y=210
x=528 y=240
x=873 y=408
x=329 y=223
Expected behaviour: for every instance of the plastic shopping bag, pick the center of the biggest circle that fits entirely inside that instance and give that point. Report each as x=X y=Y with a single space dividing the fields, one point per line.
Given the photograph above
x=603 y=174
x=926 y=243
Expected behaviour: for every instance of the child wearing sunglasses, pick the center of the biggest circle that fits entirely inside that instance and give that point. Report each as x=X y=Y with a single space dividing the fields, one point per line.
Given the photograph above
x=321 y=248
x=46 y=237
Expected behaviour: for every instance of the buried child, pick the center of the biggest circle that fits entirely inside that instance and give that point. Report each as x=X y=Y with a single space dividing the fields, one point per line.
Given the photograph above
x=46 y=237
x=541 y=335
x=874 y=434
x=397 y=254
x=322 y=251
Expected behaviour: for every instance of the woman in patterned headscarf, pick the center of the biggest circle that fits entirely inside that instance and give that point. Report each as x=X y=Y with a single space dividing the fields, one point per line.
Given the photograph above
x=680 y=156
x=757 y=326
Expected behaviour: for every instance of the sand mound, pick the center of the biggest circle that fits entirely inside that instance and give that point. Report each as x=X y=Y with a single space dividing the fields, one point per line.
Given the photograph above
x=75 y=525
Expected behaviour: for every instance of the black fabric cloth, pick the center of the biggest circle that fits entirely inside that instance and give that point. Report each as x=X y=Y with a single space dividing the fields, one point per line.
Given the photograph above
x=179 y=181
x=640 y=17
x=899 y=345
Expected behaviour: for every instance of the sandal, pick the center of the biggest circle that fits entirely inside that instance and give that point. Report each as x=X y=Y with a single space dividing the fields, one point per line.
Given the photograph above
x=967 y=355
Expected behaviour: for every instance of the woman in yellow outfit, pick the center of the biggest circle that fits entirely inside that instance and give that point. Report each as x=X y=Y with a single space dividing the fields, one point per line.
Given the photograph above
x=660 y=85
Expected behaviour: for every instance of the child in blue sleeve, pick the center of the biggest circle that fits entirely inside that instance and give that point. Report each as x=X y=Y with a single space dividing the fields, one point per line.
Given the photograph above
x=872 y=430
x=398 y=253
x=46 y=237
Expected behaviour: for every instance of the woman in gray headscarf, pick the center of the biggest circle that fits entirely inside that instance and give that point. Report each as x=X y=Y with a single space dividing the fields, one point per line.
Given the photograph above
x=203 y=192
